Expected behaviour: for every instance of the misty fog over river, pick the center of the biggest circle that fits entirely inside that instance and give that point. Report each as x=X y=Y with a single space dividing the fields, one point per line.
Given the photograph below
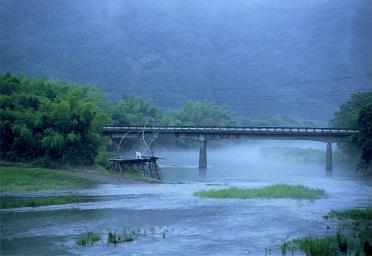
x=195 y=226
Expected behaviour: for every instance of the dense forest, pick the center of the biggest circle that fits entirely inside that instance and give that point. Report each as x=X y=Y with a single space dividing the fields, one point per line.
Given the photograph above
x=304 y=64
x=47 y=122
x=357 y=114
x=52 y=122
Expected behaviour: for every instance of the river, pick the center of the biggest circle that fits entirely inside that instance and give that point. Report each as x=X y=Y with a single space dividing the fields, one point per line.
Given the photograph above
x=183 y=223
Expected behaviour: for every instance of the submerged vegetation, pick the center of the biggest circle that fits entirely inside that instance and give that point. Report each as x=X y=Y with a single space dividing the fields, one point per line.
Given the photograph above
x=312 y=246
x=21 y=179
x=353 y=237
x=129 y=235
x=272 y=191
x=16 y=202
x=353 y=214
x=88 y=238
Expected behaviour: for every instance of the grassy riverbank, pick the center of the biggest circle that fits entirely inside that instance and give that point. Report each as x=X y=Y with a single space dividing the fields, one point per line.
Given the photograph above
x=22 y=179
x=272 y=191
x=16 y=202
x=353 y=237
x=353 y=214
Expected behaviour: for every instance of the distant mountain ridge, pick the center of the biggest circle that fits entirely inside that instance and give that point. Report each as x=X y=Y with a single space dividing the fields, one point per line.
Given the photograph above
x=299 y=58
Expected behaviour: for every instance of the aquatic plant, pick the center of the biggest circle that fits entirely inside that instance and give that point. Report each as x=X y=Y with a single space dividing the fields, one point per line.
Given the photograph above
x=313 y=246
x=354 y=236
x=165 y=232
x=354 y=214
x=268 y=251
x=130 y=235
x=272 y=191
x=127 y=236
x=88 y=238
x=16 y=202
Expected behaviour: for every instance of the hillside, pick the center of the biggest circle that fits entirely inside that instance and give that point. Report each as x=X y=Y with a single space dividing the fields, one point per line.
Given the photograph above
x=300 y=58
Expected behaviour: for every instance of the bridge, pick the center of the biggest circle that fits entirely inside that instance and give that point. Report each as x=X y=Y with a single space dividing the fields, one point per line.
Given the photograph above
x=205 y=133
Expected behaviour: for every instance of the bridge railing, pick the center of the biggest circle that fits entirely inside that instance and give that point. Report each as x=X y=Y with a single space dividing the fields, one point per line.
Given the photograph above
x=226 y=129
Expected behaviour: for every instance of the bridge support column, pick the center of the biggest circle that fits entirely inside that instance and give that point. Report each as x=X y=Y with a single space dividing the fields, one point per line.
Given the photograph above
x=203 y=153
x=328 y=166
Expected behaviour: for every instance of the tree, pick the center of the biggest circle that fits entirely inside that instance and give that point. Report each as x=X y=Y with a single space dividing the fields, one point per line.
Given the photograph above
x=347 y=116
x=49 y=122
x=203 y=113
x=364 y=139
x=355 y=114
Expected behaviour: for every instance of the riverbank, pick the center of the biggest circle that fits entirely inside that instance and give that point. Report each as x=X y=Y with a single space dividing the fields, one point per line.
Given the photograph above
x=353 y=236
x=19 y=177
x=14 y=179
x=19 y=181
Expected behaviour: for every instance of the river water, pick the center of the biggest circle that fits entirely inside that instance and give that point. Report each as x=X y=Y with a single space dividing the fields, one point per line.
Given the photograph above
x=184 y=224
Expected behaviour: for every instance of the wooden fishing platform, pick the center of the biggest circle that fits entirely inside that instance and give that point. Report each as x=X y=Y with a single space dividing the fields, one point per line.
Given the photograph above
x=148 y=165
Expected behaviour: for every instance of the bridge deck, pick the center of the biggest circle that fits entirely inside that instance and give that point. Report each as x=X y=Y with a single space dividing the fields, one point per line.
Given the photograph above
x=229 y=129
x=213 y=132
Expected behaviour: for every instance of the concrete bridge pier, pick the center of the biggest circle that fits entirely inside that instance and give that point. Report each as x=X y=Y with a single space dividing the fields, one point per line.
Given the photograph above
x=328 y=166
x=203 y=153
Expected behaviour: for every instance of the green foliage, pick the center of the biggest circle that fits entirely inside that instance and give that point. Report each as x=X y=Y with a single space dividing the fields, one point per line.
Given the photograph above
x=88 y=238
x=49 y=122
x=18 y=179
x=131 y=234
x=272 y=191
x=127 y=236
x=357 y=114
x=133 y=173
x=348 y=115
x=322 y=246
x=103 y=158
x=134 y=111
x=354 y=236
x=364 y=140
x=354 y=214
x=203 y=114
x=16 y=202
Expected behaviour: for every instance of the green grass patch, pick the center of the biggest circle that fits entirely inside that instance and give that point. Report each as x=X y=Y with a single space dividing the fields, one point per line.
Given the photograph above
x=131 y=234
x=16 y=202
x=353 y=237
x=136 y=174
x=353 y=214
x=272 y=191
x=127 y=236
x=318 y=246
x=21 y=179
x=88 y=238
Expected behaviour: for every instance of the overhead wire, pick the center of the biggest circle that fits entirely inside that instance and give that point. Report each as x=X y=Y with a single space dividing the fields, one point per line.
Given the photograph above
x=251 y=101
